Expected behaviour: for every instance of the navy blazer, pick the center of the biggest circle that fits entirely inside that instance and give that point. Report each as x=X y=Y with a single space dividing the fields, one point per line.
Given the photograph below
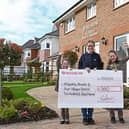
x=90 y=60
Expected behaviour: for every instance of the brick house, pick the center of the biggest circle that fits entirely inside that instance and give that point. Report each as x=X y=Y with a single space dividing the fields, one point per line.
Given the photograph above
x=31 y=52
x=2 y=40
x=49 y=52
x=104 y=21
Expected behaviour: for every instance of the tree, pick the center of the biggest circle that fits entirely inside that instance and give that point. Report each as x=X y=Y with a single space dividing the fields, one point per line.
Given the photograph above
x=72 y=57
x=10 y=54
x=14 y=57
x=3 y=61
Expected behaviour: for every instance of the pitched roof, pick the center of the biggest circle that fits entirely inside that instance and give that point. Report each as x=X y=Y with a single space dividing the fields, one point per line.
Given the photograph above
x=28 y=44
x=74 y=8
x=35 y=46
x=53 y=33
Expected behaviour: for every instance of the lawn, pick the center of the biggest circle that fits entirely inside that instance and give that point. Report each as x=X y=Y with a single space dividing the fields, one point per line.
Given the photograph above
x=19 y=88
x=23 y=107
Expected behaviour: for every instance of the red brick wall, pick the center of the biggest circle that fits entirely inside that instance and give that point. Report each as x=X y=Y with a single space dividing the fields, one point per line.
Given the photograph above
x=34 y=54
x=43 y=54
x=109 y=22
x=1 y=40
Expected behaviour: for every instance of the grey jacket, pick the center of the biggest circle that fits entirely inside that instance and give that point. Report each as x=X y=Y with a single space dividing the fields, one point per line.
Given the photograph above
x=119 y=63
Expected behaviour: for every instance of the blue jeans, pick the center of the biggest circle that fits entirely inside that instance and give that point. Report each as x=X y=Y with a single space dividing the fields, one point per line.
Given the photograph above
x=87 y=113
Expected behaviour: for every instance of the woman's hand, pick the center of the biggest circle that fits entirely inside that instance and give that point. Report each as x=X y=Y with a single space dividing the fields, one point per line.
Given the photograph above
x=88 y=69
x=126 y=45
x=115 y=70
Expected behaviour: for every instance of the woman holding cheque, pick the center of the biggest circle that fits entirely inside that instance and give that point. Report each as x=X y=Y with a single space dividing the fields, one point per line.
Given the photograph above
x=64 y=115
x=116 y=64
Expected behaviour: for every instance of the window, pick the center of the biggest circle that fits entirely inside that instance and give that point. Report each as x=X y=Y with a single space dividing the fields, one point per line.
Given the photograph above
x=28 y=54
x=47 y=66
x=122 y=52
x=70 y=24
x=91 y=10
x=118 y=3
x=97 y=47
x=47 y=45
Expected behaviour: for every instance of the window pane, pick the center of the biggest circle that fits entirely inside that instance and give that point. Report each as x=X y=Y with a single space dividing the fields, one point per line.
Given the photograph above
x=28 y=54
x=120 y=2
x=122 y=52
x=70 y=24
x=97 y=47
x=47 y=66
x=47 y=45
x=91 y=10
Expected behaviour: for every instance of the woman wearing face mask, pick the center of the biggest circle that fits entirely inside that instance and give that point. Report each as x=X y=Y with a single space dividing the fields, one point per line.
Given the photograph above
x=64 y=112
x=116 y=64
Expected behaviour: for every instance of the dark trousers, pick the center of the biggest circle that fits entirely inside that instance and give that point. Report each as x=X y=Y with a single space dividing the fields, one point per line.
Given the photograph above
x=87 y=113
x=64 y=114
x=112 y=113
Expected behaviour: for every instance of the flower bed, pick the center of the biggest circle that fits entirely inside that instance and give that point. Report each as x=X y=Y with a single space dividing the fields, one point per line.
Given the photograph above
x=21 y=110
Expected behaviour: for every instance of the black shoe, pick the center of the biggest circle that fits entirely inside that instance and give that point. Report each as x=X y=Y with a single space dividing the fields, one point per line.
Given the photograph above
x=67 y=122
x=113 y=120
x=91 y=121
x=122 y=120
x=62 y=122
x=85 y=121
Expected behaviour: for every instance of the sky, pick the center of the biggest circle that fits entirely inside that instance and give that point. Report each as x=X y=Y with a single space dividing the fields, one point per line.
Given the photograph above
x=22 y=20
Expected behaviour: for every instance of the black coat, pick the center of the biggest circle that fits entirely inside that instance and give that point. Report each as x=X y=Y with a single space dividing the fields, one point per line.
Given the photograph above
x=91 y=61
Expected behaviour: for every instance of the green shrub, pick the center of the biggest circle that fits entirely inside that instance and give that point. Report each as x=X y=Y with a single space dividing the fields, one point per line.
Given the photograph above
x=126 y=92
x=46 y=76
x=6 y=102
x=7 y=112
x=34 y=106
x=126 y=103
x=71 y=56
x=21 y=104
x=51 y=82
x=7 y=93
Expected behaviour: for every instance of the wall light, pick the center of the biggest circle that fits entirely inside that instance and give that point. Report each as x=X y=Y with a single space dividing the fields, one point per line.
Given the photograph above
x=103 y=41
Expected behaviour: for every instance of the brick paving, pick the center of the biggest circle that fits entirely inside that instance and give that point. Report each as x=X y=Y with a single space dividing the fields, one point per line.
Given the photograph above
x=48 y=96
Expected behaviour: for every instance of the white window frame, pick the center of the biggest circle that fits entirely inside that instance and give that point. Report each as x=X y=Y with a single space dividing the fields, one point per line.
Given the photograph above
x=118 y=3
x=91 y=10
x=27 y=53
x=120 y=36
x=117 y=37
x=70 y=24
x=46 y=45
x=97 y=47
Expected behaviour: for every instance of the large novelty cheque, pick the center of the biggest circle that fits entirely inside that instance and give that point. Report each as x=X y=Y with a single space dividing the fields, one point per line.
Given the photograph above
x=97 y=89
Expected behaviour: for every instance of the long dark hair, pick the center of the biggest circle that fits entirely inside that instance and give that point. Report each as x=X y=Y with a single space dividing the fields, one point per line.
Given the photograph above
x=112 y=51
